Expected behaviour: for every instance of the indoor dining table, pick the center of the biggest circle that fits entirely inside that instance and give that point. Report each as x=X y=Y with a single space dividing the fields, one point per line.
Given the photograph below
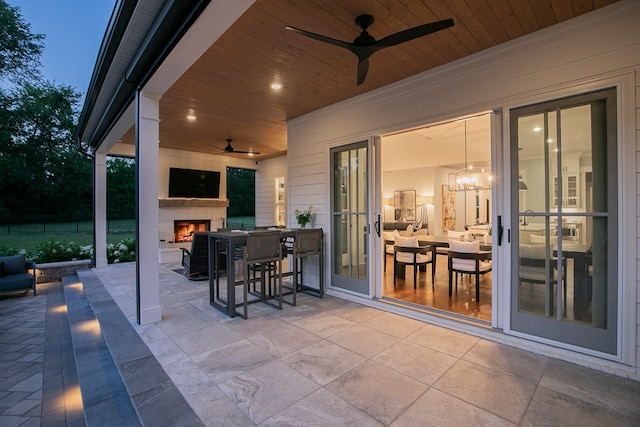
x=443 y=242
x=581 y=289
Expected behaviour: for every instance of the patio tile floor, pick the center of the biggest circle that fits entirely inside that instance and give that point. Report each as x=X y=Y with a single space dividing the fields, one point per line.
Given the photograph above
x=324 y=362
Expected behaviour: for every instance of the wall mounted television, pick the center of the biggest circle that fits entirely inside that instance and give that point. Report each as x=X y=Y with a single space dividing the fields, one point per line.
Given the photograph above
x=192 y=183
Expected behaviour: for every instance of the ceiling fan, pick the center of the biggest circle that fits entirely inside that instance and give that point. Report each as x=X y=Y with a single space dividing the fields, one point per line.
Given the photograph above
x=230 y=149
x=365 y=45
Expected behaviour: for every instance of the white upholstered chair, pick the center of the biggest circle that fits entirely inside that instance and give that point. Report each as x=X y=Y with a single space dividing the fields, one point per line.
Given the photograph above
x=466 y=258
x=407 y=251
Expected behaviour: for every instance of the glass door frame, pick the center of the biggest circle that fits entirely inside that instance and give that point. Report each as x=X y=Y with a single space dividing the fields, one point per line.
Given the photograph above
x=351 y=284
x=499 y=193
x=555 y=328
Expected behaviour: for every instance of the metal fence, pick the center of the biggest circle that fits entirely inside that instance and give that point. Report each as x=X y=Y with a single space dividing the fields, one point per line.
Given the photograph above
x=120 y=226
x=115 y=226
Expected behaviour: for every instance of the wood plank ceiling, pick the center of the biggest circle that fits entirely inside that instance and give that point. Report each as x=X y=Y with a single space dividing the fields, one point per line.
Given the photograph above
x=228 y=88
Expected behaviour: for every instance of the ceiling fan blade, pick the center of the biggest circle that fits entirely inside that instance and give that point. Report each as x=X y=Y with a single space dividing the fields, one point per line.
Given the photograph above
x=363 y=68
x=217 y=148
x=245 y=152
x=414 y=33
x=320 y=37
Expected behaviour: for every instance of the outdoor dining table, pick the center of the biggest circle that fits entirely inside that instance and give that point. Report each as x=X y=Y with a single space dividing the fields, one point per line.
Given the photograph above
x=232 y=242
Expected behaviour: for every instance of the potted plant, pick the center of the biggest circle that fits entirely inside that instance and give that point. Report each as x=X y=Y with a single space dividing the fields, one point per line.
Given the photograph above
x=304 y=217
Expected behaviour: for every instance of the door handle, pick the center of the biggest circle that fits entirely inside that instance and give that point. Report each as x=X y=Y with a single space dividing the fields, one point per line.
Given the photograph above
x=500 y=230
x=377 y=225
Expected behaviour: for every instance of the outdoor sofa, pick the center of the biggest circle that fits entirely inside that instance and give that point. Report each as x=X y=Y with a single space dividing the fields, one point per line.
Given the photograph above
x=17 y=274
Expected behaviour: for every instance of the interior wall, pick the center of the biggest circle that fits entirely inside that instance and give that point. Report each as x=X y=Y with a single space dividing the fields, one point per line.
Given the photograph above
x=418 y=179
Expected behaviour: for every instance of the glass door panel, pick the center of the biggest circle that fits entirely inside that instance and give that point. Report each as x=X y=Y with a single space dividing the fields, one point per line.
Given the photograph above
x=349 y=206
x=564 y=253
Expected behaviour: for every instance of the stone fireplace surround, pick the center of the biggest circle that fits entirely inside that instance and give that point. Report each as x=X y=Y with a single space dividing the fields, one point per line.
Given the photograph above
x=172 y=209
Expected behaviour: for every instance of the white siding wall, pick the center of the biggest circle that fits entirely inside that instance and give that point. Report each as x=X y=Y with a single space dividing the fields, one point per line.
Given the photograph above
x=266 y=175
x=600 y=49
x=191 y=160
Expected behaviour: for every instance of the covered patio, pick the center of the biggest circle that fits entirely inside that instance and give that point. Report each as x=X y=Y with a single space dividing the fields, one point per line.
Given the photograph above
x=177 y=79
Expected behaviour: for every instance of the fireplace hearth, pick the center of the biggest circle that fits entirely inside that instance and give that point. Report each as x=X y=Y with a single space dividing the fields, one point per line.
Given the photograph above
x=183 y=229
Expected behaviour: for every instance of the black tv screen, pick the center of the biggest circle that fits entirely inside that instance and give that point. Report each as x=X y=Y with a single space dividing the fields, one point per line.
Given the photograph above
x=194 y=183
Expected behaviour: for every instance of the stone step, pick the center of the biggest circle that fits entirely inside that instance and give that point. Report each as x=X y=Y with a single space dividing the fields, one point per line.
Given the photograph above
x=121 y=381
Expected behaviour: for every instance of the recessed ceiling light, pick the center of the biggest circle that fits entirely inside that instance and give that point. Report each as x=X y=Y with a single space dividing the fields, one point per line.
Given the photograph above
x=276 y=86
x=537 y=129
x=191 y=117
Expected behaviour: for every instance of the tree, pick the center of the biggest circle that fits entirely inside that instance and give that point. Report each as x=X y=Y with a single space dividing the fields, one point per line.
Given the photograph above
x=20 y=50
x=121 y=190
x=43 y=172
x=40 y=163
x=241 y=190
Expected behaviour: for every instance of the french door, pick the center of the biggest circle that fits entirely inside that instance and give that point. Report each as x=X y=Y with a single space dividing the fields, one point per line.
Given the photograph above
x=350 y=216
x=565 y=249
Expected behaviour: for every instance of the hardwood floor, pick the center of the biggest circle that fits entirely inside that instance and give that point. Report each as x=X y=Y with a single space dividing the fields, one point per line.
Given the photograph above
x=461 y=302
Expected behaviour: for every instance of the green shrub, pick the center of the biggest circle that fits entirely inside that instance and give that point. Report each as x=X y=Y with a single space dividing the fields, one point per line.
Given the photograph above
x=4 y=251
x=123 y=251
x=56 y=251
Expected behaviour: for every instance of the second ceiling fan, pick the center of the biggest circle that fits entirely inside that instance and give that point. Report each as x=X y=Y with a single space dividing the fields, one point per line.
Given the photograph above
x=229 y=149
x=365 y=45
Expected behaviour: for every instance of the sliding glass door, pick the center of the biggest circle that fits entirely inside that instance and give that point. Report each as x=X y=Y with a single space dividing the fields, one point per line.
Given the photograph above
x=564 y=252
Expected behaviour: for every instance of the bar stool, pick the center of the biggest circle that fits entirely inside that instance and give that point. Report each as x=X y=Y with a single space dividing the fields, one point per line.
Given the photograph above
x=307 y=243
x=262 y=248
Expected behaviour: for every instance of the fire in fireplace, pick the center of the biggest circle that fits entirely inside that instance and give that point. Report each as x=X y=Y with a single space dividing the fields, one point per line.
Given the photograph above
x=183 y=229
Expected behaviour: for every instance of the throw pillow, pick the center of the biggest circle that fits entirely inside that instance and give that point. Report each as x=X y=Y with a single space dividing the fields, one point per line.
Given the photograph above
x=14 y=264
x=1 y=269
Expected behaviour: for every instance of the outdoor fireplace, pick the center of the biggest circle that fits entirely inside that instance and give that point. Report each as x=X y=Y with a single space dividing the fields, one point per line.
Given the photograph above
x=183 y=229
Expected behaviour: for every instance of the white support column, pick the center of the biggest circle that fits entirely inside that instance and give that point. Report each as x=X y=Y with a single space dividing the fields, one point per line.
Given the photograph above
x=147 y=152
x=100 y=209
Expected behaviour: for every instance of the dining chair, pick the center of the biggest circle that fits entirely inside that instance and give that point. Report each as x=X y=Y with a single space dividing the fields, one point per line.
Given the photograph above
x=452 y=235
x=536 y=265
x=466 y=258
x=388 y=238
x=262 y=248
x=220 y=262
x=407 y=251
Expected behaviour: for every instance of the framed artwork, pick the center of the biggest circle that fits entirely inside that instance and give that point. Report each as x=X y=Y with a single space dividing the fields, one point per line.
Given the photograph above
x=404 y=205
x=448 y=208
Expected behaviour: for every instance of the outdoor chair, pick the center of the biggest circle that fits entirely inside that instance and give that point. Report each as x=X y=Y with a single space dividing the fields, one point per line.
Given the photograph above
x=306 y=243
x=263 y=248
x=196 y=261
